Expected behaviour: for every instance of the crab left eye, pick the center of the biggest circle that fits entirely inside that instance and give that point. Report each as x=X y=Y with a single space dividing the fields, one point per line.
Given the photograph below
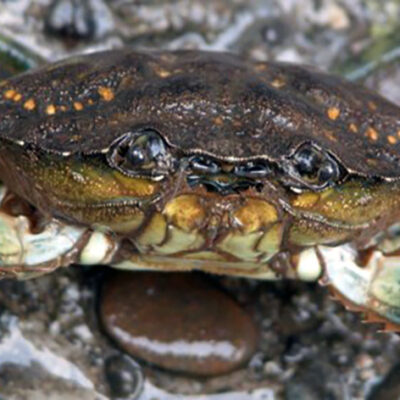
x=314 y=167
x=146 y=150
x=140 y=153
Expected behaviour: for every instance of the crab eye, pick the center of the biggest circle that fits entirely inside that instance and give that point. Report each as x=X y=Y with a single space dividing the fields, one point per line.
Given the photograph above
x=136 y=156
x=145 y=150
x=314 y=167
x=306 y=160
x=140 y=153
x=328 y=171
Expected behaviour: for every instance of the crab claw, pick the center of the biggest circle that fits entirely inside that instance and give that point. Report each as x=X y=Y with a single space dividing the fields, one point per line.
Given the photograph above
x=25 y=254
x=373 y=289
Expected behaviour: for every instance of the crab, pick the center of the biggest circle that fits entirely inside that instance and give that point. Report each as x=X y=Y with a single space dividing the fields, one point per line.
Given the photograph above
x=193 y=160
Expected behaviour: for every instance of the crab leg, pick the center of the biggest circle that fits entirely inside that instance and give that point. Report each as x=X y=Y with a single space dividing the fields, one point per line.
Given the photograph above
x=25 y=254
x=373 y=289
x=22 y=251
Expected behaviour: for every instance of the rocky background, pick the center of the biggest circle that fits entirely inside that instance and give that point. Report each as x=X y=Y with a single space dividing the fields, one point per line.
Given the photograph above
x=300 y=343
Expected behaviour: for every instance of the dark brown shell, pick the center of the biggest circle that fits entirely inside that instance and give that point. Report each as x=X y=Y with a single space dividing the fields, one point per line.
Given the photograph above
x=215 y=103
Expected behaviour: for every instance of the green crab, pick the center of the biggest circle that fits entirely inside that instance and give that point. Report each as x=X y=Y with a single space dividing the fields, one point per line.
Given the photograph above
x=198 y=160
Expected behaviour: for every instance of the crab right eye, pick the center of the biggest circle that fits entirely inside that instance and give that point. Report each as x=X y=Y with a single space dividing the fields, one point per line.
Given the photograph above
x=306 y=161
x=141 y=153
x=314 y=167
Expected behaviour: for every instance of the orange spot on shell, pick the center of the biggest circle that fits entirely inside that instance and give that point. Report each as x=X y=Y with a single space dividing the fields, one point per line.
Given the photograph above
x=107 y=94
x=333 y=113
x=218 y=121
x=17 y=96
x=353 y=128
x=9 y=94
x=51 y=109
x=78 y=106
x=30 y=105
x=162 y=73
x=372 y=134
x=278 y=83
x=261 y=67
x=391 y=139
x=330 y=136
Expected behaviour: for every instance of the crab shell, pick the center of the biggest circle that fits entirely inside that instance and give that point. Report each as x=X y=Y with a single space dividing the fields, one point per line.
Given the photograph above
x=59 y=124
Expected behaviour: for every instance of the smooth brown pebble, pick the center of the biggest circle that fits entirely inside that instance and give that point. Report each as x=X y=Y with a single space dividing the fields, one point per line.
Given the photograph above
x=177 y=321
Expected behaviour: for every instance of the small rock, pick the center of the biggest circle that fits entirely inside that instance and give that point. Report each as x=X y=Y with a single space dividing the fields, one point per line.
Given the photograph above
x=124 y=377
x=70 y=19
x=256 y=366
x=276 y=31
x=177 y=321
x=309 y=382
x=272 y=369
x=389 y=387
x=341 y=355
x=300 y=391
x=365 y=366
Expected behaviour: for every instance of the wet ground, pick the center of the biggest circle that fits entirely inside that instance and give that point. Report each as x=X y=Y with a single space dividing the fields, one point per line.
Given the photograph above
x=54 y=345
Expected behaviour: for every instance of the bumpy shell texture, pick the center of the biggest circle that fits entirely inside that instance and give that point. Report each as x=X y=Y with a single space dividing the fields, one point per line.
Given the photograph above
x=204 y=102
